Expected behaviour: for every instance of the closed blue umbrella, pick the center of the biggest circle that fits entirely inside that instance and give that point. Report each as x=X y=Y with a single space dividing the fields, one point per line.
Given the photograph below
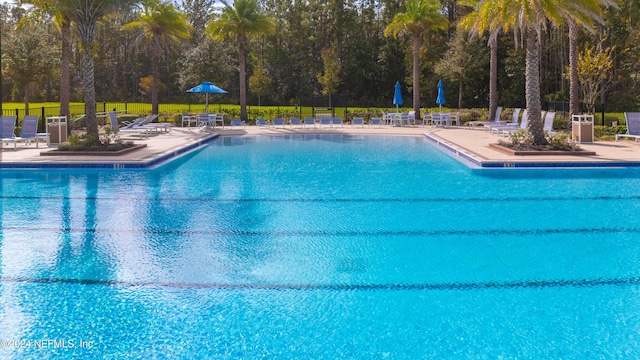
x=397 y=96
x=440 y=100
x=207 y=88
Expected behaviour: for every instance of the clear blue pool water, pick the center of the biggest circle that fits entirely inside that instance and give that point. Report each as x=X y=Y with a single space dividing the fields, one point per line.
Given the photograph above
x=320 y=247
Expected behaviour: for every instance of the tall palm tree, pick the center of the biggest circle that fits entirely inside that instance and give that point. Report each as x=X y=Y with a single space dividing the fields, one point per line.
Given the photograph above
x=242 y=20
x=62 y=20
x=86 y=14
x=419 y=16
x=163 y=27
x=485 y=19
x=530 y=17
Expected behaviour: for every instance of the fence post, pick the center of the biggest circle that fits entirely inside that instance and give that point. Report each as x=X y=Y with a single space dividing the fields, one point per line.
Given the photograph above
x=126 y=108
x=104 y=107
x=17 y=114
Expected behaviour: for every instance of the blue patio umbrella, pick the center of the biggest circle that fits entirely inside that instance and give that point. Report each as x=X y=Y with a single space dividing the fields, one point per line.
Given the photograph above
x=207 y=88
x=440 y=100
x=397 y=96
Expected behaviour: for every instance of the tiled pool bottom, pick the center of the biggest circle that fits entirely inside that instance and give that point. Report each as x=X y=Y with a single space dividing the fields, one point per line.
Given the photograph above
x=354 y=247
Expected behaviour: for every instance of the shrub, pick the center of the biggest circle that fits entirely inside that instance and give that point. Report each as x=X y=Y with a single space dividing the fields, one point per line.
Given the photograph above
x=523 y=140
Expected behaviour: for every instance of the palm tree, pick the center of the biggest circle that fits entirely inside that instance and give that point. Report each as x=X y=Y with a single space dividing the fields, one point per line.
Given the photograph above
x=62 y=20
x=530 y=17
x=419 y=16
x=485 y=19
x=163 y=27
x=86 y=14
x=242 y=20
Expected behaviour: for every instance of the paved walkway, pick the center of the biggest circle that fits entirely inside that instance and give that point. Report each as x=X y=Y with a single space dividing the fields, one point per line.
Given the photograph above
x=468 y=144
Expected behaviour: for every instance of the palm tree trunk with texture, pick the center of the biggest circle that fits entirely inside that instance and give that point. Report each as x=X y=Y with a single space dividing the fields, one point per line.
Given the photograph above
x=574 y=84
x=532 y=87
x=493 y=77
x=242 y=63
x=416 y=75
x=65 y=61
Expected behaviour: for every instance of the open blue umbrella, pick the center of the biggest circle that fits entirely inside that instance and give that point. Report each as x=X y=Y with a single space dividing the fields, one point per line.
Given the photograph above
x=397 y=96
x=440 y=100
x=207 y=88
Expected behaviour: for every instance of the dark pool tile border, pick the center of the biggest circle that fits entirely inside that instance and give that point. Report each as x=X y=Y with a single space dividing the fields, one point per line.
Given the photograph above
x=111 y=165
x=475 y=161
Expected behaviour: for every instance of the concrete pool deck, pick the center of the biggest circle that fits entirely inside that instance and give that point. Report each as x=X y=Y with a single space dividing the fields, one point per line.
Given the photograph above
x=469 y=145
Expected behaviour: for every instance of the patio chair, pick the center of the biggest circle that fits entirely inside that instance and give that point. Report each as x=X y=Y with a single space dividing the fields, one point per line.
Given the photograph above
x=495 y=120
x=375 y=121
x=237 y=122
x=30 y=130
x=325 y=121
x=309 y=121
x=548 y=122
x=7 y=130
x=515 y=120
x=633 y=126
x=113 y=121
x=440 y=119
x=294 y=121
x=261 y=122
x=337 y=121
x=357 y=121
x=278 y=122
x=147 y=123
x=523 y=125
x=188 y=119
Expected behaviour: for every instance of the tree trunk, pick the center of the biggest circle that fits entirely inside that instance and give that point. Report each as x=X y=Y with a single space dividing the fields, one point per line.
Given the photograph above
x=574 y=84
x=416 y=75
x=242 y=63
x=460 y=95
x=493 y=77
x=65 y=78
x=26 y=99
x=532 y=88
x=86 y=33
x=154 y=81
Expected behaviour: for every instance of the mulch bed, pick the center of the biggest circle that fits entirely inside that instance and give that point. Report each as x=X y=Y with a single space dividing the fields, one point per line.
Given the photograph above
x=93 y=153
x=508 y=151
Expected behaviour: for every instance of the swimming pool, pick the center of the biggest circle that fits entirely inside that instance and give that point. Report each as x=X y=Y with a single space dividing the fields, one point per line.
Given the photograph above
x=320 y=246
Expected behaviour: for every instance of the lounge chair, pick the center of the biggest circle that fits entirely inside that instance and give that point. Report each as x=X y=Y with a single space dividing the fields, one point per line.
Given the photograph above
x=633 y=126
x=7 y=130
x=261 y=122
x=514 y=124
x=325 y=121
x=148 y=124
x=523 y=124
x=495 y=121
x=441 y=119
x=337 y=121
x=357 y=121
x=548 y=123
x=309 y=121
x=237 y=122
x=278 y=122
x=30 y=130
x=113 y=120
x=375 y=121
x=294 y=121
x=515 y=120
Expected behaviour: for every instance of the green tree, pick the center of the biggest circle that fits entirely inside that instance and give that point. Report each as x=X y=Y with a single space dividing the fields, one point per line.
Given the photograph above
x=330 y=80
x=419 y=16
x=594 y=72
x=160 y=25
x=260 y=82
x=29 y=58
x=62 y=20
x=584 y=14
x=465 y=58
x=242 y=20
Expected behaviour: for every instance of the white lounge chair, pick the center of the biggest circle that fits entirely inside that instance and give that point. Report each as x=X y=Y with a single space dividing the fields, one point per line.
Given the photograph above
x=515 y=120
x=325 y=121
x=375 y=121
x=113 y=120
x=261 y=122
x=357 y=121
x=495 y=120
x=337 y=121
x=633 y=126
x=548 y=122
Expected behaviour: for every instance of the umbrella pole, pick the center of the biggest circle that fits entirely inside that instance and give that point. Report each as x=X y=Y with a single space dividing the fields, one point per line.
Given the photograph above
x=206 y=105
